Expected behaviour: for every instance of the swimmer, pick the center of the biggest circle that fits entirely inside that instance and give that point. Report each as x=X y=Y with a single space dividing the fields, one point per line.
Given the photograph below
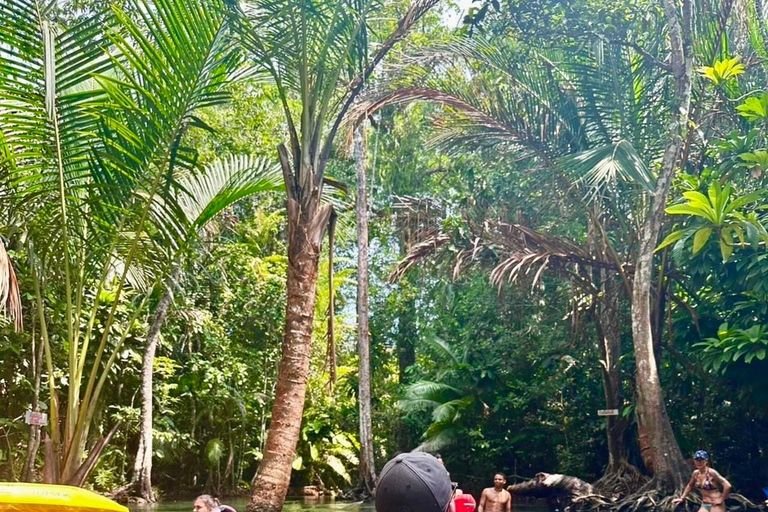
x=708 y=481
x=496 y=498
x=207 y=503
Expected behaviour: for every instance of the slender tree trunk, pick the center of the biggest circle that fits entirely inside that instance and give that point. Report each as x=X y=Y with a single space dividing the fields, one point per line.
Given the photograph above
x=609 y=330
x=28 y=472
x=305 y=229
x=406 y=348
x=367 y=463
x=141 y=481
x=668 y=466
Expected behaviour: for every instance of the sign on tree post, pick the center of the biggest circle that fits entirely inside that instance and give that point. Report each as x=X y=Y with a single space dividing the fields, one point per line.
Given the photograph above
x=607 y=412
x=36 y=418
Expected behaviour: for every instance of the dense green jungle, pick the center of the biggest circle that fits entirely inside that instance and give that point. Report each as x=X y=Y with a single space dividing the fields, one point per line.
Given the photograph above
x=256 y=248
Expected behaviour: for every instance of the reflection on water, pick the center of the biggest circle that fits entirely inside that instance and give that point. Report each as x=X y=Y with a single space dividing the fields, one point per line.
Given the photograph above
x=307 y=505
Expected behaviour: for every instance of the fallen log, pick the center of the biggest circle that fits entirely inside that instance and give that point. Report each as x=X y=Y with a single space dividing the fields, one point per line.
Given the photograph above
x=560 y=491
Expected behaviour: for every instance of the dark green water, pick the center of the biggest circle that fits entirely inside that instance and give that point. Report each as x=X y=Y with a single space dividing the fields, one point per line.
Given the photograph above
x=308 y=505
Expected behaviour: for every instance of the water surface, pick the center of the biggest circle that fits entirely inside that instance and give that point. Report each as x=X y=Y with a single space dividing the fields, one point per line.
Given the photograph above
x=306 y=505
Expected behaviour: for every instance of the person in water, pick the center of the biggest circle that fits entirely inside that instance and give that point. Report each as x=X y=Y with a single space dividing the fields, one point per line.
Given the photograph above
x=207 y=503
x=496 y=498
x=708 y=482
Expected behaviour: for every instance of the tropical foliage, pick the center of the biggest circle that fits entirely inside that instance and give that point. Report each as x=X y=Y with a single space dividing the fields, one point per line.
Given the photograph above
x=169 y=170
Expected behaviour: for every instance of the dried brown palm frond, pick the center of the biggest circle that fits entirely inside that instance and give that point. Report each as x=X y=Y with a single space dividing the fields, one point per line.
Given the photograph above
x=513 y=250
x=10 y=298
x=427 y=247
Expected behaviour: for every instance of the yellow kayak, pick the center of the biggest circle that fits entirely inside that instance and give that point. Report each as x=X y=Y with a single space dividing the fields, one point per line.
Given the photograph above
x=23 y=497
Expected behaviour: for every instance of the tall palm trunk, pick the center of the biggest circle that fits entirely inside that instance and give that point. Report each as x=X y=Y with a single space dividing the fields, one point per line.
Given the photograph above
x=367 y=463
x=668 y=466
x=270 y=485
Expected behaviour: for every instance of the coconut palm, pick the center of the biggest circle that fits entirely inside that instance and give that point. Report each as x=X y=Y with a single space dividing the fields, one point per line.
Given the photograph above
x=93 y=115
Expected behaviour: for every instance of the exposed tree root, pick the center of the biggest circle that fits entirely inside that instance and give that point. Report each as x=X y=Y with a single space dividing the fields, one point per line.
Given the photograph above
x=621 y=481
x=623 y=490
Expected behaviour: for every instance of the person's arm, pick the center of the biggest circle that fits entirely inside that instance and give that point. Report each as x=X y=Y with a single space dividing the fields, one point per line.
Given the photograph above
x=508 y=506
x=481 y=506
x=687 y=490
x=727 y=487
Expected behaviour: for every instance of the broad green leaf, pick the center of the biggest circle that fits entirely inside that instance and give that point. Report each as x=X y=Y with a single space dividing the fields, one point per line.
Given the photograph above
x=672 y=238
x=313 y=452
x=700 y=238
x=298 y=463
x=696 y=197
x=722 y=70
x=338 y=467
x=726 y=244
x=754 y=108
x=693 y=210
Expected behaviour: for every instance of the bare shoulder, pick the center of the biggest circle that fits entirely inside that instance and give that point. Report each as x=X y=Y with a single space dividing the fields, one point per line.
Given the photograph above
x=506 y=494
x=716 y=474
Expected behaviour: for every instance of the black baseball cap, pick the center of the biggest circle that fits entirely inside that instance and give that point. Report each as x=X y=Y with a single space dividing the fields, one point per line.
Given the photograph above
x=413 y=482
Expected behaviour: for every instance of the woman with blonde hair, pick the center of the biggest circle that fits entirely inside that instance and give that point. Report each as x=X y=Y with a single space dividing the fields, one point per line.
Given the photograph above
x=708 y=482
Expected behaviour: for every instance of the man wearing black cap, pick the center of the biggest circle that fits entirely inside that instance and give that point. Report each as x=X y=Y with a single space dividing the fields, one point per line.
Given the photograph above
x=414 y=482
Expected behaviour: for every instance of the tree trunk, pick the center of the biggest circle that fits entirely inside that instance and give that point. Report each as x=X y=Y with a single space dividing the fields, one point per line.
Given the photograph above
x=28 y=473
x=609 y=330
x=367 y=463
x=305 y=228
x=668 y=466
x=141 y=481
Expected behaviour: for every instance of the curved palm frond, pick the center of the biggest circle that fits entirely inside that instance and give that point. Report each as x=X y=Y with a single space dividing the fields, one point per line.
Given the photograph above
x=224 y=182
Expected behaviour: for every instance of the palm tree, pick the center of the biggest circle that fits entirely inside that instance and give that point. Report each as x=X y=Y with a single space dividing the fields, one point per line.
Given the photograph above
x=223 y=183
x=93 y=116
x=586 y=118
x=316 y=52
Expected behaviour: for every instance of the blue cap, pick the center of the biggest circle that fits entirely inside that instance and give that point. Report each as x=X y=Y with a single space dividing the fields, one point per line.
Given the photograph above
x=700 y=455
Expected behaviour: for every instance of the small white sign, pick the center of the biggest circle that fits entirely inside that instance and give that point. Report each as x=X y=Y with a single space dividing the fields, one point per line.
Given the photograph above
x=36 y=418
x=607 y=412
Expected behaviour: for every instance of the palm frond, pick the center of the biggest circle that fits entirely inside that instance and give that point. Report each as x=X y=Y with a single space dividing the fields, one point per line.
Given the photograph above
x=603 y=166
x=10 y=298
x=224 y=182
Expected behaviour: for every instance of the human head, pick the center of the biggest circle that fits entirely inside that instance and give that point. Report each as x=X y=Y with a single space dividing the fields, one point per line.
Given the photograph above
x=499 y=479
x=413 y=482
x=205 y=503
x=700 y=458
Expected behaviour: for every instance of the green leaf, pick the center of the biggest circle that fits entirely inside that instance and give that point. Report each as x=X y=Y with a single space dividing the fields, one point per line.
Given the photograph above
x=298 y=463
x=722 y=70
x=700 y=238
x=313 y=452
x=338 y=467
x=672 y=238
x=726 y=244
x=694 y=210
x=607 y=164
x=754 y=108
